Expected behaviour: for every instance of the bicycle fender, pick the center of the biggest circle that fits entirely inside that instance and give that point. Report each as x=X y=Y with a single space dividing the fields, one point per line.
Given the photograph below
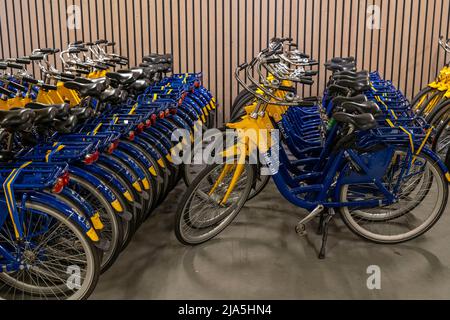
x=52 y=202
x=100 y=186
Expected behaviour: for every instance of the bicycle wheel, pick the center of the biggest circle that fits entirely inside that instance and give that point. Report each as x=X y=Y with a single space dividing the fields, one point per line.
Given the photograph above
x=440 y=113
x=113 y=228
x=421 y=201
x=201 y=214
x=56 y=249
x=441 y=143
x=420 y=98
x=434 y=99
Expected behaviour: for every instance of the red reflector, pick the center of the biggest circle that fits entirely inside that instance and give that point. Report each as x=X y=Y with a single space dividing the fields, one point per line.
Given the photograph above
x=89 y=159
x=148 y=123
x=66 y=178
x=59 y=186
x=131 y=136
x=153 y=118
x=140 y=127
x=173 y=111
x=96 y=156
x=162 y=115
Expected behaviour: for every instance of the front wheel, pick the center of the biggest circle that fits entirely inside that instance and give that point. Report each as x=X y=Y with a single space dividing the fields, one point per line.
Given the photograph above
x=60 y=262
x=203 y=213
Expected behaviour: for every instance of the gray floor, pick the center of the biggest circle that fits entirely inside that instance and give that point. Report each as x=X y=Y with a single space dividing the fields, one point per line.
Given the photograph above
x=261 y=257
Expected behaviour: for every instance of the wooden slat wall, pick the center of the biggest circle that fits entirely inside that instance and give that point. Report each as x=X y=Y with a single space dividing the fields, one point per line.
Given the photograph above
x=214 y=36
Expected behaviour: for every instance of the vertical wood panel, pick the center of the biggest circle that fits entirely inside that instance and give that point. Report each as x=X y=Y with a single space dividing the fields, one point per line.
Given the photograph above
x=214 y=36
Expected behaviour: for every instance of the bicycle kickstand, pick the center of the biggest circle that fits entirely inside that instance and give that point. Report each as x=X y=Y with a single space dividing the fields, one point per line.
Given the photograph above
x=328 y=217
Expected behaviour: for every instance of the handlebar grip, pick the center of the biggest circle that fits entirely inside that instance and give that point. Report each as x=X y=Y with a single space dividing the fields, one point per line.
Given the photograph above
x=30 y=80
x=36 y=57
x=287 y=89
x=85 y=72
x=101 y=67
x=49 y=50
x=14 y=65
x=313 y=63
x=23 y=61
x=101 y=41
x=272 y=60
x=111 y=44
x=307 y=81
x=48 y=87
x=68 y=76
x=3 y=66
x=311 y=73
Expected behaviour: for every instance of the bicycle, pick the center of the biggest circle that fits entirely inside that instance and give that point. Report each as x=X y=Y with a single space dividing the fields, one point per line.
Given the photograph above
x=350 y=163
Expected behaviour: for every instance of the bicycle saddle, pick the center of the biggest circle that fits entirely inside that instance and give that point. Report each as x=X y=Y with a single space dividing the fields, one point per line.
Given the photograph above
x=65 y=126
x=353 y=74
x=16 y=119
x=138 y=73
x=102 y=82
x=110 y=95
x=139 y=85
x=362 y=108
x=357 y=99
x=44 y=116
x=357 y=86
x=339 y=60
x=61 y=109
x=158 y=59
x=84 y=89
x=121 y=78
x=82 y=113
x=338 y=77
x=363 y=122
x=337 y=90
x=334 y=67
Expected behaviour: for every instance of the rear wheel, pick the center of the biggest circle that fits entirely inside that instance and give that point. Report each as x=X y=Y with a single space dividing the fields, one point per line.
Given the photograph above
x=441 y=143
x=422 y=198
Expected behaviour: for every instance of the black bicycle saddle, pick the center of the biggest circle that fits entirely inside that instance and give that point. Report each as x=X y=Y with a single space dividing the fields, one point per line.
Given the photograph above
x=45 y=116
x=353 y=74
x=356 y=86
x=84 y=89
x=357 y=99
x=122 y=78
x=17 y=119
x=82 y=113
x=362 y=108
x=66 y=125
x=363 y=122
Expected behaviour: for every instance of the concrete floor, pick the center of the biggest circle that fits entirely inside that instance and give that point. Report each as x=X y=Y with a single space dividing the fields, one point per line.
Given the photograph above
x=261 y=257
